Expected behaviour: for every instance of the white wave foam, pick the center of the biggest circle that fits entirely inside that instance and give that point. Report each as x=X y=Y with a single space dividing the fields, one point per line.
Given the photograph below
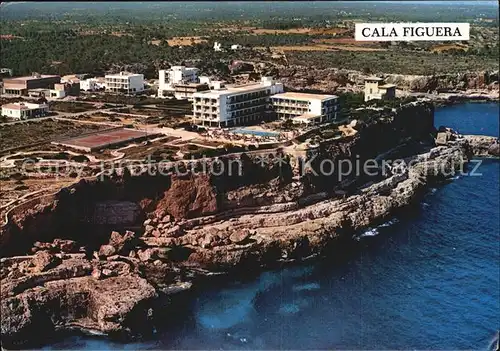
x=289 y=309
x=306 y=287
x=389 y=223
x=367 y=233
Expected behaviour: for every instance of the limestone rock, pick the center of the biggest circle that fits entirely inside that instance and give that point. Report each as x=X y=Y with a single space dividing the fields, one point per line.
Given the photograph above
x=206 y=241
x=106 y=250
x=108 y=272
x=494 y=149
x=43 y=261
x=174 y=231
x=240 y=237
x=188 y=197
x=122 y=243
x=65 y=246
x=166 y=219
x=483 y=145
x=144 y=255
x=97 y=273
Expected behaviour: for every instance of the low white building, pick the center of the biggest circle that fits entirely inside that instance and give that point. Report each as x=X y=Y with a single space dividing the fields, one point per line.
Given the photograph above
x=305 y=108
x=57 y=94
x=90 y=84
x=24 y=110
x=169 y=78
x=235 y=104
x=125 y=82
x=235 y=47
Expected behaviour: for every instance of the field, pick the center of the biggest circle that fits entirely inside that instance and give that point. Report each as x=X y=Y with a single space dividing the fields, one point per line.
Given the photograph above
x=185 y=41
x=102 y=117
x=19 y=134
x=302 y=30
x=81 y=40
x=446 y=47
x=308 y=31
x=397 y=62
x=70 y=106
x=104 y=139
x=323 y=47
x=346 y=41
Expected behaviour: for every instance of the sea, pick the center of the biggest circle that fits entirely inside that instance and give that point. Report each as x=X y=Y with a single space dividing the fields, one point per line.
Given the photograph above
x=428 y=279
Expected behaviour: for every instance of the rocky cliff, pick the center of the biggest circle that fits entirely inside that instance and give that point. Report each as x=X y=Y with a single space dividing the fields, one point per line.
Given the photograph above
x=79 y=268
x=332 y=79
x=483 y=145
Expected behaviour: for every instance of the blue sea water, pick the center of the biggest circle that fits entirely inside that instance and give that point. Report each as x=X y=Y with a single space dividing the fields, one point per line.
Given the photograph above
x=426 y=280
x=470 y=118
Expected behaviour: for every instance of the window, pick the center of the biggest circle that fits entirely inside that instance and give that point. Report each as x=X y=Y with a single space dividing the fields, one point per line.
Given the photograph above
x=371 y=90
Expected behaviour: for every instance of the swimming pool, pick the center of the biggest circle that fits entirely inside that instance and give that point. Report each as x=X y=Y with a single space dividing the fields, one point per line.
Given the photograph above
x=255 y=132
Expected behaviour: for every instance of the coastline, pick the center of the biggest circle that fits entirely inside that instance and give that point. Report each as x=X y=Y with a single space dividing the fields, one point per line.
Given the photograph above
x=455 y=99
x=236 y=244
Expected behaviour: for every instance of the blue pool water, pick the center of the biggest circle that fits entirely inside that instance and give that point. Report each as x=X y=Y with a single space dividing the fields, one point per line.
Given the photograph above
x=428 y=280
x=255 y=132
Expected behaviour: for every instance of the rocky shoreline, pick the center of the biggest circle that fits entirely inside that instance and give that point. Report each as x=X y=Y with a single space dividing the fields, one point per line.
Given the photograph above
x=484 y=146
x=465 y=96
x=112 y=256
x=328 y=80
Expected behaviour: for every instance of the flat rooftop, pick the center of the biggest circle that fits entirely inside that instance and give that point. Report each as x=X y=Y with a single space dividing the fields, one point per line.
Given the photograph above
x=387 y=86
x=231 y=89
x=122 y=74
x=25 y=78
x=23 y=106
x=303 y=96
x=374 y=78
x=190 y=85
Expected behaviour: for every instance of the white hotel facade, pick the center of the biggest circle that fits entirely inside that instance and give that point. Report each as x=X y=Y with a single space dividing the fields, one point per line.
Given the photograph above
x=239 y=104
x=176 y=75
x=305 y=108
x=235 y=104
x=125 y=82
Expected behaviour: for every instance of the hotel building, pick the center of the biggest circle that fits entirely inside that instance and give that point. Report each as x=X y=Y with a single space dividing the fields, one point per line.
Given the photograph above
x=176 y=75
x=305 y=108
x=125 y=82
x=20 y=85
x=235 y=104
